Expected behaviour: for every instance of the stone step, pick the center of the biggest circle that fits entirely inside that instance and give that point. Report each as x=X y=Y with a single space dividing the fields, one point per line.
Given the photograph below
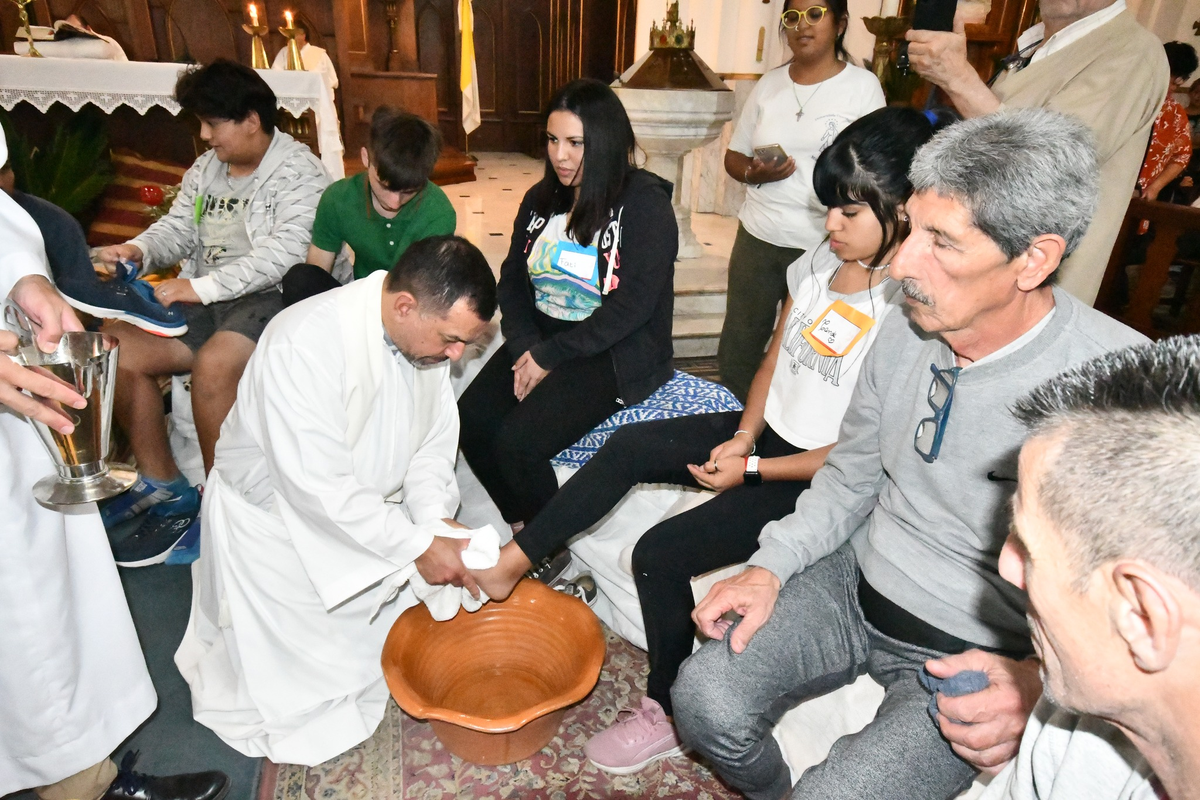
x=701 y=276
x=687 y=305
x=696 y=335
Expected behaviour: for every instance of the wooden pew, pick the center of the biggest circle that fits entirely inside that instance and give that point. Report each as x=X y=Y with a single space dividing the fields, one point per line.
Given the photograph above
x=1145 y=292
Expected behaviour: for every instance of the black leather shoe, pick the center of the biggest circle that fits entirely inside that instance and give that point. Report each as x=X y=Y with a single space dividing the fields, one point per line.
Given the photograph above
x=130 y=785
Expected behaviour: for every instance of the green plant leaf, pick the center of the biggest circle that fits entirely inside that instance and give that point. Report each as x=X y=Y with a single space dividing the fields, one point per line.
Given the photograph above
x=73 y=170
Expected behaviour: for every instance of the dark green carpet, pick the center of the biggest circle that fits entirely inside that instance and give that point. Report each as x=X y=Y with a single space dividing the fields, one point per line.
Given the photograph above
x=171 y=741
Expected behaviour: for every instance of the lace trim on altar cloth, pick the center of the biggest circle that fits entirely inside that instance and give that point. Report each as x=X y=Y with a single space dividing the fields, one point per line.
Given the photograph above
x=42 y=99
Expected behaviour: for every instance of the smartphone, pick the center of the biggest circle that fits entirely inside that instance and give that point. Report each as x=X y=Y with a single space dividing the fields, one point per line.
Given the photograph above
x=929 y=15
x=771 y=154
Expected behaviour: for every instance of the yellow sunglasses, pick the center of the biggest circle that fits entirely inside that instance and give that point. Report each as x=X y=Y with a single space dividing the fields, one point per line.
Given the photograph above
x=812 y=15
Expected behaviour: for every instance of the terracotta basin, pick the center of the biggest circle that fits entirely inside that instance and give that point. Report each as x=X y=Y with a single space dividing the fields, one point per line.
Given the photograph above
x=495 y=684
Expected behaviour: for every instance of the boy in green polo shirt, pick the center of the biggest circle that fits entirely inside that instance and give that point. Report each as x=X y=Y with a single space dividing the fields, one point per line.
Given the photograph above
x=380 y=212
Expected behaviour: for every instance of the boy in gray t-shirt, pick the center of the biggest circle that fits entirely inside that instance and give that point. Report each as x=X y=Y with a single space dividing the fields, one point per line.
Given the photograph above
x=243 y=215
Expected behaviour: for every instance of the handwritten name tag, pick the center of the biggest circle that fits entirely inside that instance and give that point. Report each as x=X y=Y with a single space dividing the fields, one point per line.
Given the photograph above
x=577 y=261
x=838 y=329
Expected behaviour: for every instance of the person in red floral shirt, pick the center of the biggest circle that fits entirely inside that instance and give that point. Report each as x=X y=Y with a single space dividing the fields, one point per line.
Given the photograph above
x=1171 y=140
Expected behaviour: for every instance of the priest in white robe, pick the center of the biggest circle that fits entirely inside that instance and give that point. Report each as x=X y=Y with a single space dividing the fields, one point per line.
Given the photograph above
x=333 y=479
x=73 y=680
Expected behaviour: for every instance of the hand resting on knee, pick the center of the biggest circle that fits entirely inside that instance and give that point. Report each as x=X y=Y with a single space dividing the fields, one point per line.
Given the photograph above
x=751 y=593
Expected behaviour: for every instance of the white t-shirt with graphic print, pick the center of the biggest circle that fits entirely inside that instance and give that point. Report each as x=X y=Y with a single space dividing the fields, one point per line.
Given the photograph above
x=811 y=390
x=787 y=213
x=222 y=223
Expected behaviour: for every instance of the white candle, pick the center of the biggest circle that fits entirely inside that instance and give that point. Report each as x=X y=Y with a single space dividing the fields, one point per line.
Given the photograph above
x=253 y=16
x=889 y=8
x=287 y=15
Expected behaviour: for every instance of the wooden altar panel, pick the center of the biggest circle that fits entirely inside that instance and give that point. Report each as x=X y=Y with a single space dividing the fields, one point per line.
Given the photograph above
x=524 y=50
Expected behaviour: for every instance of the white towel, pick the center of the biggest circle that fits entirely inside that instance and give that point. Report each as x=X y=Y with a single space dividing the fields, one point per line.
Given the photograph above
x=444 y=601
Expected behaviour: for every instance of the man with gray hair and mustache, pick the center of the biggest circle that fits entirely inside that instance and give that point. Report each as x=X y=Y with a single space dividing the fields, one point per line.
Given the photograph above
x=888 y=566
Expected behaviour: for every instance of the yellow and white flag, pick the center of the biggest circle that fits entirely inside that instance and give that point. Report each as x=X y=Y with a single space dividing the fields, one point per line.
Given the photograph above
x=468 y=75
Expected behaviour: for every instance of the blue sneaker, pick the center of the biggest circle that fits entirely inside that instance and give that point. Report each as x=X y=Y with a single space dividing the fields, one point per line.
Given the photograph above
x=142 y=496
x=162 y=528
x=128 y=299
x=187 y=549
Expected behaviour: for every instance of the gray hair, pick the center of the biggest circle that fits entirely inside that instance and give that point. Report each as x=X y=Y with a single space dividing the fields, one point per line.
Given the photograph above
x=1124 y=480
x=1020 y=173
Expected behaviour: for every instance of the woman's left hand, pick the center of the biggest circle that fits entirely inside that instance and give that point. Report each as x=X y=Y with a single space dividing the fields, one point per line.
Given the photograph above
x=719 y=475
x=526 y=375
x=176 y=290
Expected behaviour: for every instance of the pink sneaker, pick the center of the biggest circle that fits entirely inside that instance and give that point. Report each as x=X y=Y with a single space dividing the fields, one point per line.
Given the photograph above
x=639 y=737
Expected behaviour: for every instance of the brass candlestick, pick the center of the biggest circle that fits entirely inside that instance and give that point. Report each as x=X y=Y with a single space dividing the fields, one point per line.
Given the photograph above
x=24 y=16
x=293 y=50
x=887 y=31
x=391 y=9
x=258 y=50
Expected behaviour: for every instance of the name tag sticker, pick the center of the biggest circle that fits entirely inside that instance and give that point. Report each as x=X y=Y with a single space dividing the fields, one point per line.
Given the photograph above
x=836 y=331
x=577 y=261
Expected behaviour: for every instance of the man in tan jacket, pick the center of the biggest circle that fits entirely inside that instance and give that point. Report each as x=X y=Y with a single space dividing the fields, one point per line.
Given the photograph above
x=1089 y=58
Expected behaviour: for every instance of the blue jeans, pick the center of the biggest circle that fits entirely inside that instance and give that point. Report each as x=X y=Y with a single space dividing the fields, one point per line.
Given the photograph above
x=816 y=640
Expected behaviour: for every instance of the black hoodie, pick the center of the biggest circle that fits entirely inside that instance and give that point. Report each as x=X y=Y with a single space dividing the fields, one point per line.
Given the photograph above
x=638 y=245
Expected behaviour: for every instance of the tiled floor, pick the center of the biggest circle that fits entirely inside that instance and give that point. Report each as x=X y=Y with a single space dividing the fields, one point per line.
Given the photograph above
x=487 y=207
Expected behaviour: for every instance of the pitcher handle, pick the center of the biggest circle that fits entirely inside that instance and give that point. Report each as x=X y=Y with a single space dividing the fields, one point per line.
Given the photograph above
x=18 y=322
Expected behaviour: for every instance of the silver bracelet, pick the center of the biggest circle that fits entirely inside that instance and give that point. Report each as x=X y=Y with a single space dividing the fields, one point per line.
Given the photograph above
x=753 y=444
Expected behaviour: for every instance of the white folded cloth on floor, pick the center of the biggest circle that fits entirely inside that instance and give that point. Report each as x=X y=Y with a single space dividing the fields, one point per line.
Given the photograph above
x=444 y=601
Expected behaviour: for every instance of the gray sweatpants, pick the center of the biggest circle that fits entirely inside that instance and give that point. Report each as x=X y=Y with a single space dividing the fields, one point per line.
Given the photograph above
x=816 y=641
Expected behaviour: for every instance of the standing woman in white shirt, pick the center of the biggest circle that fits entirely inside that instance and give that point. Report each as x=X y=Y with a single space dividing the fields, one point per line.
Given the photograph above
x=800 y=106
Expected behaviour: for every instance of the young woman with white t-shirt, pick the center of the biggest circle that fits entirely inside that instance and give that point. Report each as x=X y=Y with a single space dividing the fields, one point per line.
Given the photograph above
x=800 y=106
x=759 y=460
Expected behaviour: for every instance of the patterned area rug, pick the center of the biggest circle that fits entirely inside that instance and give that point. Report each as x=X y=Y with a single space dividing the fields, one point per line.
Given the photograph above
x=405 y=760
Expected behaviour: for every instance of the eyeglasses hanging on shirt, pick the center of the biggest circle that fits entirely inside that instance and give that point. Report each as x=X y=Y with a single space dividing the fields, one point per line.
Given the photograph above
x=928 y=439
x=1017 y=61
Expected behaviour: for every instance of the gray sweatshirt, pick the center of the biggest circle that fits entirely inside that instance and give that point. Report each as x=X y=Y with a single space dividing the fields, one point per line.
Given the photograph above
x=287 y=187
x=928 y=536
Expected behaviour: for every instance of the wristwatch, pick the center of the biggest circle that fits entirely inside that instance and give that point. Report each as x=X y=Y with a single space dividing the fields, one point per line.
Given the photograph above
x=751 y=476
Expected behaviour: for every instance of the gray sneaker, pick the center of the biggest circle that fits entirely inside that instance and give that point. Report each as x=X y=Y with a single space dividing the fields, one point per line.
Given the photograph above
x=550 y=568
x=582 y=586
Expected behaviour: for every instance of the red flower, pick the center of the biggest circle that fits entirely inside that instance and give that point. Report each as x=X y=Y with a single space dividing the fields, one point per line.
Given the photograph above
x=151 y=195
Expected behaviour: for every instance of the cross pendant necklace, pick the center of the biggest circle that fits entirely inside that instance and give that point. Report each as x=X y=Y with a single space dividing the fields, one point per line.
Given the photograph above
x=796 y=95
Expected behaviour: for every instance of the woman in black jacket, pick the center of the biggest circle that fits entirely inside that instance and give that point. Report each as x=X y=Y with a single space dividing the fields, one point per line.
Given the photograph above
x=586 y=297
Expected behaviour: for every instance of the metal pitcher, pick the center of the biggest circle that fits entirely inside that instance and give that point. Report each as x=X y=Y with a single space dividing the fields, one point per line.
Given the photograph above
x=88 y=362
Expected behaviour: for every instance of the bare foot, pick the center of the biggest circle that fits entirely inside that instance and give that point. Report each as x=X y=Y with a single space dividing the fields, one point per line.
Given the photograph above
x=500 y=580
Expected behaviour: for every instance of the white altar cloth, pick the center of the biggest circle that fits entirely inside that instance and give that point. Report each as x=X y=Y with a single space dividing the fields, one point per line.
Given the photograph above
x=142 y=85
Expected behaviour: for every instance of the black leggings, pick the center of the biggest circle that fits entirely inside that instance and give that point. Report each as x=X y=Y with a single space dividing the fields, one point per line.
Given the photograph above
x=718 y=533
x=509 y=444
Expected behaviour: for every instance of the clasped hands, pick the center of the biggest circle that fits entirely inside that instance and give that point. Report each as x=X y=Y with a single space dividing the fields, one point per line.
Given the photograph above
x=442 y=563
x=983 y=728
x=726 y=464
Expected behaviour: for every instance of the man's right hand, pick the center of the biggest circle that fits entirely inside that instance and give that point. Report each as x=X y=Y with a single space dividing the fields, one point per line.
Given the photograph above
x=441 y=564
x=120 y=252
x=751 y=594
